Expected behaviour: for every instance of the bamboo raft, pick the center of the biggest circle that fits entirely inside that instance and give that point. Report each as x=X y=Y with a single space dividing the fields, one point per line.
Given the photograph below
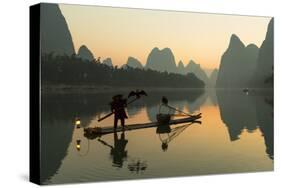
x=93 y=132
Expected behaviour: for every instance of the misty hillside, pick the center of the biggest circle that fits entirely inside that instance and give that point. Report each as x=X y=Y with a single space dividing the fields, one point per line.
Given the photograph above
x=134 y=63
x=107 y=62
x=85 y=53
x=237 y=65
x=161 y=60
x=196 y=69
x=213 y=78
x=181 y=68
x=55 y=34
x=264 y=72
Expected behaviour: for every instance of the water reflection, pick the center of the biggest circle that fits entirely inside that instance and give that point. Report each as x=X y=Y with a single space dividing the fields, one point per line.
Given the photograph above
x=118 y=150
x=212 y=93
x=237 y=112
x=167 y=134
x=248 y=111
x=56 y=135
x=194 y=105
x=61 y=114
x=265 y=121
x=190 y=99
x=137 y=166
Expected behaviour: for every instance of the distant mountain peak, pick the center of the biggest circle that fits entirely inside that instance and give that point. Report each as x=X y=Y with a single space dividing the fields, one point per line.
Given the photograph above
x=270 y=29
x=237 y=64
x=180 y=64
x=234 y=37
x=134 y=63
x=265 y=62
x=161 y=60
x=166 y=49
x=193 y=67
x=252 y=46
x=55 y=34
x=235 y=42
x=83 y=46
x=181 y=68
x=155 y=50
x=108 y=62
x=193 y=63
x=85 y=53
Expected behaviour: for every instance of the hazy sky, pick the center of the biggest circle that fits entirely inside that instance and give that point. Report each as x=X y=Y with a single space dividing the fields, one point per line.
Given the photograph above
x=120 y=32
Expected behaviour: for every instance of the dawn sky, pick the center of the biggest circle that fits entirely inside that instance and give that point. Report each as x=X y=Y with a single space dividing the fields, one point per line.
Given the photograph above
x=120 y=32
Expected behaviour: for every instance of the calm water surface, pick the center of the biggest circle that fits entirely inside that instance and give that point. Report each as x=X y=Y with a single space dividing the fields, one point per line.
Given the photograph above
x=236 y=135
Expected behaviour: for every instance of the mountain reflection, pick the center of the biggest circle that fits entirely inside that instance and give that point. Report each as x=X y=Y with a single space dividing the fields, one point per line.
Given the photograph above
x=237 y=110
x=240 y=111
x=56 y=135
x=213 y=96
x=265 y=122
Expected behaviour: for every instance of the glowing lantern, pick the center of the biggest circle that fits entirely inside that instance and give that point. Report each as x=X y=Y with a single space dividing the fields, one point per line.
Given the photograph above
x=77 y=123
x=78 y=146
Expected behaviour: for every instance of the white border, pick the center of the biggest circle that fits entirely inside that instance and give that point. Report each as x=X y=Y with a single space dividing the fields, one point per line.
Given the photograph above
x=14 y=84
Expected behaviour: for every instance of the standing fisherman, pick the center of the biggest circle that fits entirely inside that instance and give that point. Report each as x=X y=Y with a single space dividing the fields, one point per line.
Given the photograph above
x=118 y=105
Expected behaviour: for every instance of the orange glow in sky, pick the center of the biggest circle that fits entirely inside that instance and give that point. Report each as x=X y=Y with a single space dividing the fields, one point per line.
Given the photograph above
x=122 y=32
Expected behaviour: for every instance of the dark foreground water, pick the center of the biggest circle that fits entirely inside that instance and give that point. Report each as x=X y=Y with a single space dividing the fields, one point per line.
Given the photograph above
x=236 y=135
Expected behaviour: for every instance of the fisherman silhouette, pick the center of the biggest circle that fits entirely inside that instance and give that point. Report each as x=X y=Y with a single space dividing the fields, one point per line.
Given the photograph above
x=118 y=105
x=118 y=152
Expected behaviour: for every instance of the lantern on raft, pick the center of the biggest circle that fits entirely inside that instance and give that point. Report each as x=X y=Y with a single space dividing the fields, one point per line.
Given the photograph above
x=77 y=123
x=78 y=145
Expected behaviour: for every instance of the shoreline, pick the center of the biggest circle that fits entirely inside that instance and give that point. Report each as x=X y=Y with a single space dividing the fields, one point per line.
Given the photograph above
x=94 y=89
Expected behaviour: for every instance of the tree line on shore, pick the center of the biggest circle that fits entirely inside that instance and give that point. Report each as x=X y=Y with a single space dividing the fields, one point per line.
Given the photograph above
x=72 y=70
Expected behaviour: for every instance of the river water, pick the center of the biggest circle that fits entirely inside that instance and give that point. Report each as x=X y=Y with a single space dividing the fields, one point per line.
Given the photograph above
x=235 y=135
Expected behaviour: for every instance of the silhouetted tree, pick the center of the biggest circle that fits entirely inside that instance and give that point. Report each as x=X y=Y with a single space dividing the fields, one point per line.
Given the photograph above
x=74 y=70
